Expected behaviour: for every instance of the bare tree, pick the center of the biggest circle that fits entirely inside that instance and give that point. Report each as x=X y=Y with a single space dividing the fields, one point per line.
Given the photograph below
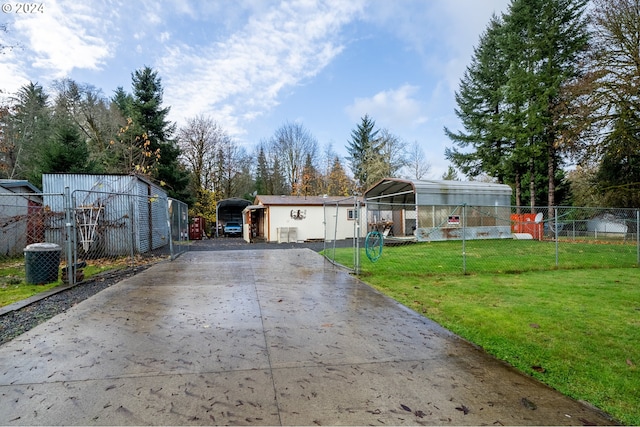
x=230 y=167
x=326 y=166
x=292 y=143
x=417 y=164
x=616 y=50
x=199 y=141
x=6 y=46
x=387 y=160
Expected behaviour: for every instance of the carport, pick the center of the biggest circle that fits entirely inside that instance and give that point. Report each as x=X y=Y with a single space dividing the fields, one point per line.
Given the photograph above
x=229 y=210
x=439 y=210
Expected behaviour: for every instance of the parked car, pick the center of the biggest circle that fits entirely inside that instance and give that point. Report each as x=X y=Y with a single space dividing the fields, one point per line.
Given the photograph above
x=232 y=229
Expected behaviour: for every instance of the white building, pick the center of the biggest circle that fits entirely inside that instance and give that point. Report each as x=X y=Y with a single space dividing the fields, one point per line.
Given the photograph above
x=300 y=219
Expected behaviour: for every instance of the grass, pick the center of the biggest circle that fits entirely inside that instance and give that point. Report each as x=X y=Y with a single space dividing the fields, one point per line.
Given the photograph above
x=13 y=287
x=495 y=256
x=575 y=327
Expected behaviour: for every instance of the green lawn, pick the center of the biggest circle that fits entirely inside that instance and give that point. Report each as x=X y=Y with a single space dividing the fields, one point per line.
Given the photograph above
x=576 y=327
x=13 y=287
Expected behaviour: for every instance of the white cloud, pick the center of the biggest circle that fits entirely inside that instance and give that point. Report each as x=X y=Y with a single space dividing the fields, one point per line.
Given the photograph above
x=391 y=108
x=13 y=75
x=65 y=36
x=248 y=71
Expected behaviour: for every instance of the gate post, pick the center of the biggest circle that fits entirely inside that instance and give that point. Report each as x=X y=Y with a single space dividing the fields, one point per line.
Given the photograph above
x=557 y=237
x=356 y=234
x=464 y=238
x=71 y=265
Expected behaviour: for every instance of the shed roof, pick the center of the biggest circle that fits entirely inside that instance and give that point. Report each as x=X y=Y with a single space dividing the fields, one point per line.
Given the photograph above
x=302 y=200
x=438 y=192
x=19 y=186
x=234 y=202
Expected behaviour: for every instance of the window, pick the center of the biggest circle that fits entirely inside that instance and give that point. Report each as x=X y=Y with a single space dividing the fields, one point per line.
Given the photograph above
x=352 y=214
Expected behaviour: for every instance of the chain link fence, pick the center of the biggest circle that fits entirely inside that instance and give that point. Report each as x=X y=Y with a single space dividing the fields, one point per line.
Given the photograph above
x=465 y=239
x=342 y=230
x=49 y=237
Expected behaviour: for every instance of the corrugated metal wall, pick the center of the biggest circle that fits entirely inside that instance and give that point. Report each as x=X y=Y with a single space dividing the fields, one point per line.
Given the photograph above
x=133 y=211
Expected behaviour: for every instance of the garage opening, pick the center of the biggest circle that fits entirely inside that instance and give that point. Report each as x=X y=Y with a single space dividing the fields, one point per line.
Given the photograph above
x=229 y=211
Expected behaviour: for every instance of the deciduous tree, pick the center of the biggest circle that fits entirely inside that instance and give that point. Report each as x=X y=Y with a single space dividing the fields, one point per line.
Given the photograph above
x=417 y=165
x=292 y=143
x=617 y=65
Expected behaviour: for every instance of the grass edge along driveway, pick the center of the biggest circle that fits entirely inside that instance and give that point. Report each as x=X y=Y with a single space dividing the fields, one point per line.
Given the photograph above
x=577 y=331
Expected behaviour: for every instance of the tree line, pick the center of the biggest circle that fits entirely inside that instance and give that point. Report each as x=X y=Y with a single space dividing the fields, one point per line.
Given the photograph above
x=74 y=128
x=549 y=105
x=554 y=85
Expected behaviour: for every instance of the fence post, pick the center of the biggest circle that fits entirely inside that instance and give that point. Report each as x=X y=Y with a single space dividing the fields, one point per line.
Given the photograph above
x=638 y=237
x=464 y=238
x=356 y=233
x=169 y=231
x=132 y=230
x=71 y=270
x=555 y=220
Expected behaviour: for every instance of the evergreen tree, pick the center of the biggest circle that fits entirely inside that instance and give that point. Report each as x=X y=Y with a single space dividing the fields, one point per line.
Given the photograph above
x=450 y=174
x=152 y=127
x=544 y=41
x=87 y=109
x=509 y=95
x=67 y=152
x=619 y=173
x=363 y=150
x=311 y=182
x=123 y=101
x=262 y=173
x=338 y=183
x=277 y=181
x=480 y=101
x=29 y=129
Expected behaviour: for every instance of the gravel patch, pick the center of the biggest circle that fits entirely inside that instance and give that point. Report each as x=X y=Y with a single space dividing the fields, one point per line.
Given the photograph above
x=17 y=322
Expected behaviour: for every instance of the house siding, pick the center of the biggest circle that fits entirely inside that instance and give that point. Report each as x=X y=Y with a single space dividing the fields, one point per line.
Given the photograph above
x=313 y=218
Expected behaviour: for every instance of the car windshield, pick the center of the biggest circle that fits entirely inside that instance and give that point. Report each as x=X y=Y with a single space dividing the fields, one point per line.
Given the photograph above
x=233 y=224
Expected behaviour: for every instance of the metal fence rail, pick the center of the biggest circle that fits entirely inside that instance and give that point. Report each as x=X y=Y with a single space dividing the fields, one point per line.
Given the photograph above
x=334 y=237
x=94 y=230
x=464 y=239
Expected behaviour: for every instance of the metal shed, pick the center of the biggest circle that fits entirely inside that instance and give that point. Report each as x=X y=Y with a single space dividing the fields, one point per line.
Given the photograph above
x=21 y=216
x=114 y=214
x=439 y=210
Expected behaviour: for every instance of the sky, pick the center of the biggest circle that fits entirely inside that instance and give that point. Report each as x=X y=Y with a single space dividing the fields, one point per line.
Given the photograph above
x=255 y=65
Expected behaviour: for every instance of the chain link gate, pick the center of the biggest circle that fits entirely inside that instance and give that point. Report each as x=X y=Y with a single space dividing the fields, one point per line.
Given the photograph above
x=86 y=229
x=335 y=233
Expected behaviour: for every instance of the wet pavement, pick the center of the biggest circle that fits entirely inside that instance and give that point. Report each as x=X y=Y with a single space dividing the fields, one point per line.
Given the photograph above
x=260 y=337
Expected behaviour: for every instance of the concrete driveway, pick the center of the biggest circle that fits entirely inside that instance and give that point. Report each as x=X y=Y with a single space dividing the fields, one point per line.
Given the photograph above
x=260 y=337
